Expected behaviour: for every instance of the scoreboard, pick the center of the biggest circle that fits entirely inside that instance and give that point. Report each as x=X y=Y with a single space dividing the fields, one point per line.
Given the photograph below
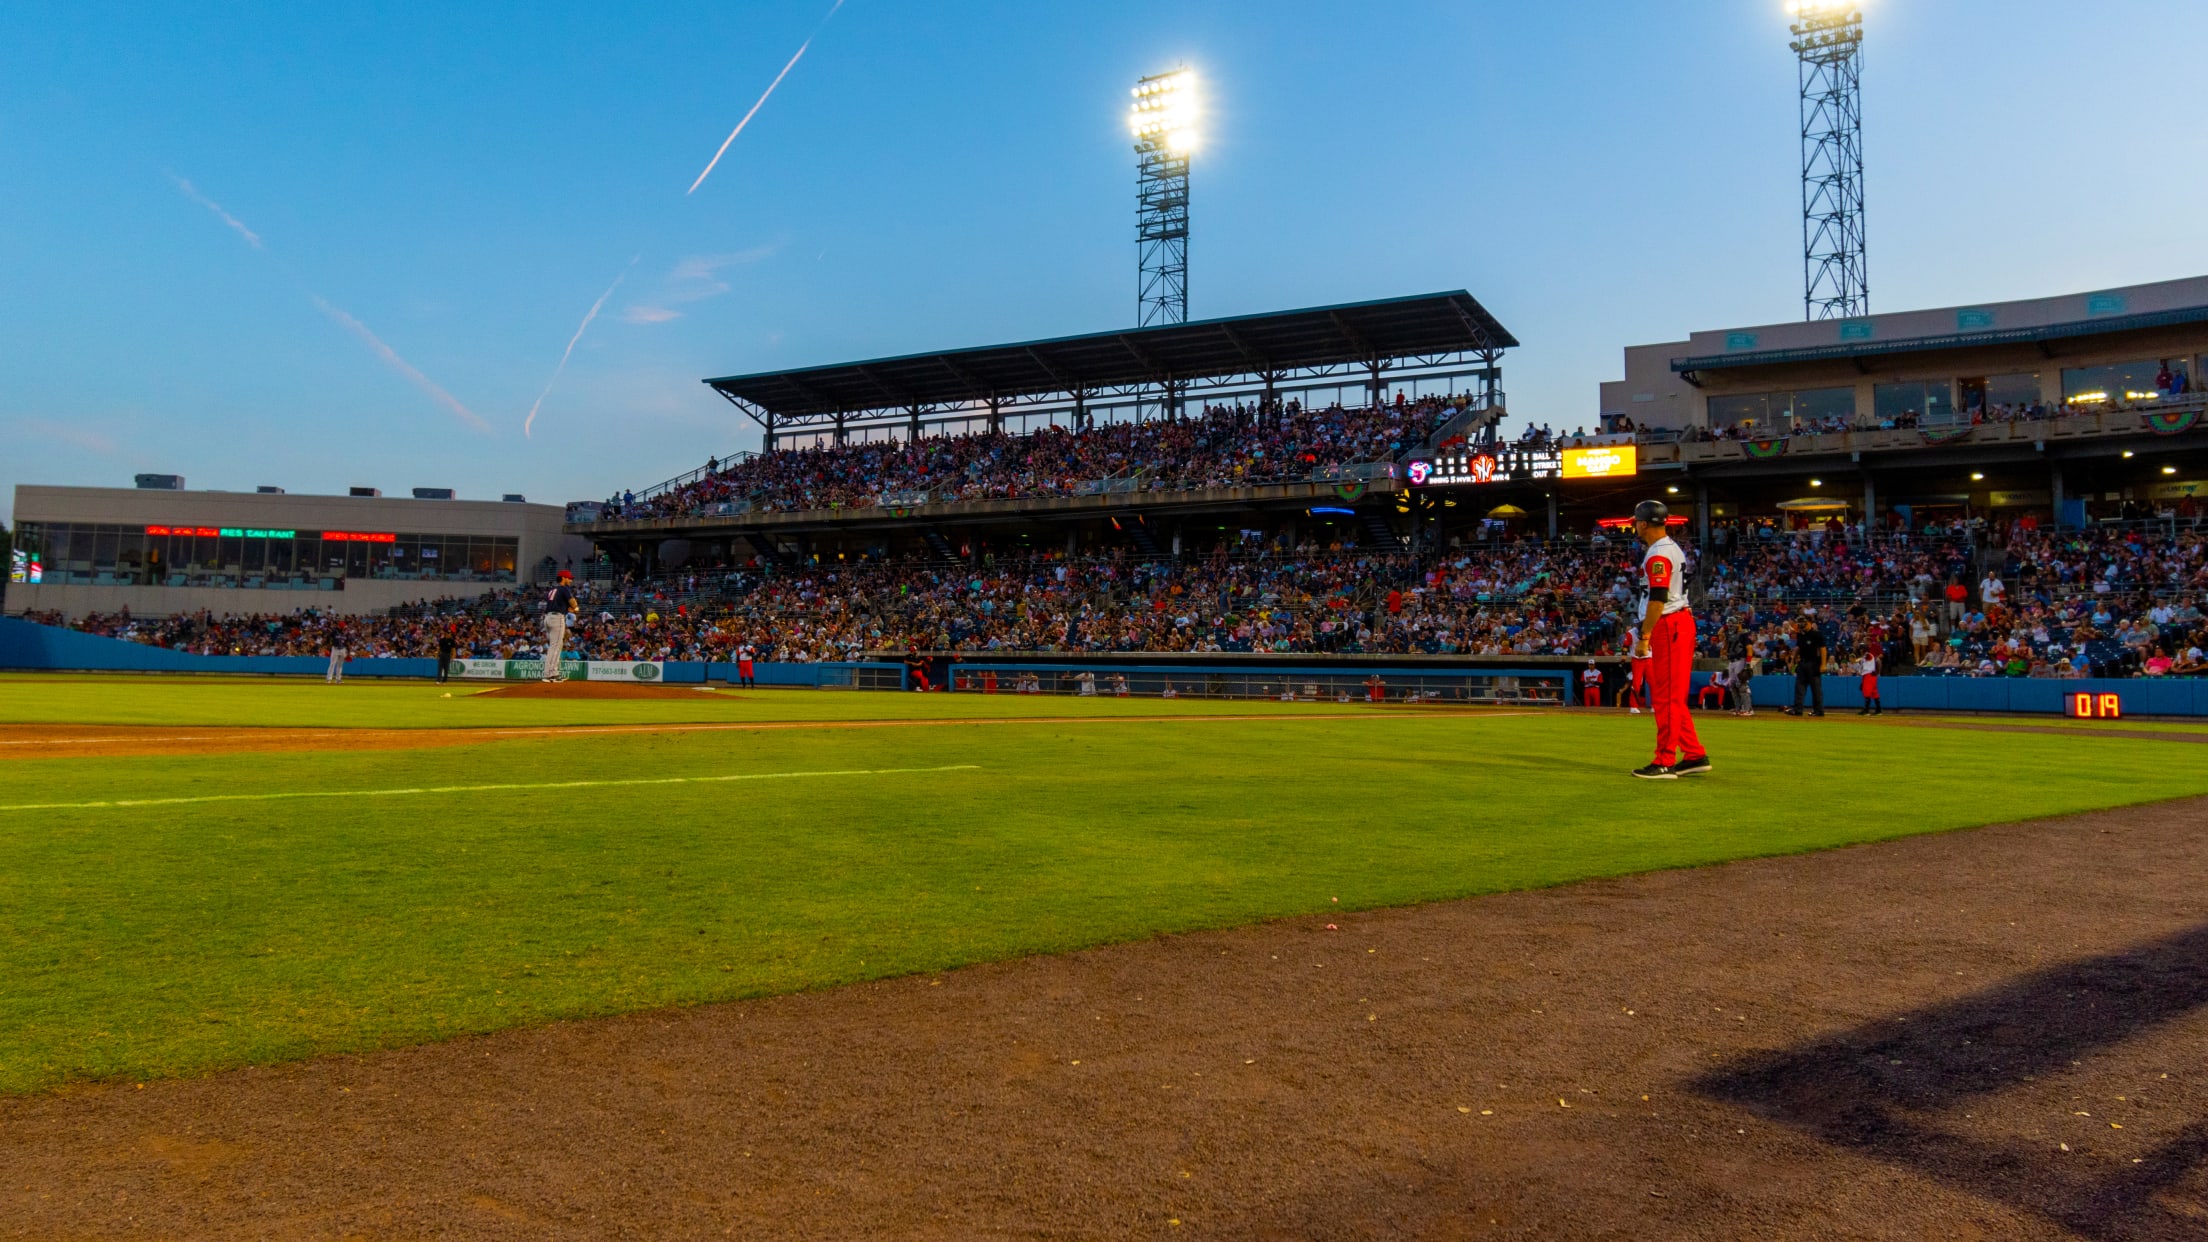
x=1515 y=464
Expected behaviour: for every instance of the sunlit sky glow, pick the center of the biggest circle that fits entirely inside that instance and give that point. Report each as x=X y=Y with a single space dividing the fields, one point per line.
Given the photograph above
x=317 y=246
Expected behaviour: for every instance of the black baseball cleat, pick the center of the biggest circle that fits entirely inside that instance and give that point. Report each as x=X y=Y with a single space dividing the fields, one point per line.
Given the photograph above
x=1790 y=711
x=1657 y=772
x=1697 y=766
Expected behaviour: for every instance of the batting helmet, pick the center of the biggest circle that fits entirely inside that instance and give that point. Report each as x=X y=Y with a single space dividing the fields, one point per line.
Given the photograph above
x=1654 y=512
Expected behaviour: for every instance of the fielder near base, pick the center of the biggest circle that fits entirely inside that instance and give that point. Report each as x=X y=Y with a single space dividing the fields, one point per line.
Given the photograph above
x=1667 y=642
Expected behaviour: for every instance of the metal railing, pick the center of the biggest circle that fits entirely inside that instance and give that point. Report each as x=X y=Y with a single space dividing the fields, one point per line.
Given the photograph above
x=1468 y=688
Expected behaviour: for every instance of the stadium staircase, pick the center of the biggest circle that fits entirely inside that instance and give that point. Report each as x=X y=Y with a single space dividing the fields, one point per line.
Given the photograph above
x=1383 y=535
x=939 y=545
x=1476 y=424
x=768 y=552
x=1138 y=534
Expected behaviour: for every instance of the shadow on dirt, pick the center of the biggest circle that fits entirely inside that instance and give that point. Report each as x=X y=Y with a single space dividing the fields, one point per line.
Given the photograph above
x=1877 y=1089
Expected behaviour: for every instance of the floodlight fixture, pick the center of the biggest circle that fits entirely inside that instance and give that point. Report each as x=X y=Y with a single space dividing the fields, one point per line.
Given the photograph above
x=1828 y=42
x=1163 y=121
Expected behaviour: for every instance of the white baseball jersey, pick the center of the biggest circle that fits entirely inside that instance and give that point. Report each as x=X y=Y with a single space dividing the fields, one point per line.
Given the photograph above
x=1664 y=576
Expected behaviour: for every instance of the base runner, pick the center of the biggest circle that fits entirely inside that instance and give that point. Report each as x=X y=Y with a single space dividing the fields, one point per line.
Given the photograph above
x=1666 y=641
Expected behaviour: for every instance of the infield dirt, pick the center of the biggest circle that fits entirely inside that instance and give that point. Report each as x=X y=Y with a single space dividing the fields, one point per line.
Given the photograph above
x=1997 y=1033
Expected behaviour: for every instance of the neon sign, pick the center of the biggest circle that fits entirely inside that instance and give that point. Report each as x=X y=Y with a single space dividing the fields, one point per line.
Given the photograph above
x=224 y=532
x=354 y=536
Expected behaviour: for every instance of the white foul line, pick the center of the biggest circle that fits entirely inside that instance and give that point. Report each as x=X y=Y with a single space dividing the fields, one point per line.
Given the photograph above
x=451 y=789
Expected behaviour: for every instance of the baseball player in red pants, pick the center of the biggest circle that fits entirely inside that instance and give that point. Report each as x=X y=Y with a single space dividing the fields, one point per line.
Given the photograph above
x=1667 y=643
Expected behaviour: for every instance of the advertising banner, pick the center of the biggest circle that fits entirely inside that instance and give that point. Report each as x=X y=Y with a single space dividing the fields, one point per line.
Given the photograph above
x=1610 y=461
x=574 y=670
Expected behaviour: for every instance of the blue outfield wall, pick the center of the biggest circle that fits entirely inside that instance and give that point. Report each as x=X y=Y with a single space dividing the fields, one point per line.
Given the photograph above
x=25 y=645
x=2140 y=696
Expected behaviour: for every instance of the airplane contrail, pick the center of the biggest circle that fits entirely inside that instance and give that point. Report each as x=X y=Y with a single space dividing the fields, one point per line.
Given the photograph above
x=389 y=355
x=191 y=192
x=530 y=421
x=762 y=103
x=391 y=359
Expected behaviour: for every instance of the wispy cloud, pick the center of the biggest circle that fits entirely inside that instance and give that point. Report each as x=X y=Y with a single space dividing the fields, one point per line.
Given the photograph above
x=762 y=102
x=237 y=226
x=530 y=422
x=76 y=437
x=391 y=359
x=693 y=279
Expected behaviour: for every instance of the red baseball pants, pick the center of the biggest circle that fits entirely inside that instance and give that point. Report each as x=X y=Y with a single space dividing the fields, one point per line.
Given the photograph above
x=1670 y=671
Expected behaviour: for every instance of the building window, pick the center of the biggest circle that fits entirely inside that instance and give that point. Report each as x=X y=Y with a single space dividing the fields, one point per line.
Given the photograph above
x=93 y=554
x=2012 y=391
x=1915 y=403
x=1784 y=411
x=2121 y=381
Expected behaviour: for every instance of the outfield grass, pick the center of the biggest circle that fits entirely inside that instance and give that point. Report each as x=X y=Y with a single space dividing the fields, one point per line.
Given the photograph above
x=185 y=937
x=389 y=703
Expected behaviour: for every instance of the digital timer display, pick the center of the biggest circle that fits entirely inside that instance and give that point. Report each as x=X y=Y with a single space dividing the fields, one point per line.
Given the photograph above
x=2094 y=706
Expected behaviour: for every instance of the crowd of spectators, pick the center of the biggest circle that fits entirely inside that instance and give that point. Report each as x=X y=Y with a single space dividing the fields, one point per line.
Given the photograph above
x=2070 y=603
x=1225 y=445
x=1911 y=420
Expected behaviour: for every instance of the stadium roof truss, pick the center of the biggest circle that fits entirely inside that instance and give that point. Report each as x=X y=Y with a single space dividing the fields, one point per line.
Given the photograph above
x=1433 y=337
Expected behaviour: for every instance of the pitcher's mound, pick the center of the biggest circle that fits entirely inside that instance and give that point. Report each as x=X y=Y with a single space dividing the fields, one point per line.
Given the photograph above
x=591 y=690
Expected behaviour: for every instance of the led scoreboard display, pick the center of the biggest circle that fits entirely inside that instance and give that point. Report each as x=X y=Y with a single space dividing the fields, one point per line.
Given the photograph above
x=1507 y=464
x=2093 y=706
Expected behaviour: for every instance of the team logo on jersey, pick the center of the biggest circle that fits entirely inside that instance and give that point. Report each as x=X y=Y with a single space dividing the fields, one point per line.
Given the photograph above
x=1659 y=571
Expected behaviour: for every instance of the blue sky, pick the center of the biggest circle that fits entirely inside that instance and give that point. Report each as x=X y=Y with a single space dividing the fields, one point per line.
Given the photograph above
x=461 y=182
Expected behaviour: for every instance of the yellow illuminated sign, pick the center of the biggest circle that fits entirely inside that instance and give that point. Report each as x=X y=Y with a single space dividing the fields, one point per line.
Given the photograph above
x=1611 y=461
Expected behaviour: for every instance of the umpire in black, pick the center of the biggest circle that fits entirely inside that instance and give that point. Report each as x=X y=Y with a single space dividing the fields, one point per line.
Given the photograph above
x=1809 y=664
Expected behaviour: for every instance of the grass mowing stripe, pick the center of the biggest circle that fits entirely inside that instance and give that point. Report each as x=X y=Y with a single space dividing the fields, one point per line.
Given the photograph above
x=463 y=789
x=195 y=937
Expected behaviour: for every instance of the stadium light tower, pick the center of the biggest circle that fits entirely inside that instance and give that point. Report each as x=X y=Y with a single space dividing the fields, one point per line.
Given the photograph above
x=1828 y=40
x=1164 y=122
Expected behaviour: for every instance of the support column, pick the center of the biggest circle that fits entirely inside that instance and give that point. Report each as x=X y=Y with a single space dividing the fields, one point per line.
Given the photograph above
x=1374 y=384
x=1702 y=516
x=769 y=433
x=914 y=411
x=1870 y=503
x=2054 y=479
x=1080 y=409
x=839 y=427
x=996 y=414
x=1552 y=515
x=1073 y=540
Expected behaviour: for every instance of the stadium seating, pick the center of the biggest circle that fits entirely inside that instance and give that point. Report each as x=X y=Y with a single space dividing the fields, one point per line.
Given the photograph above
x=1224 y=446
x=2109 y=603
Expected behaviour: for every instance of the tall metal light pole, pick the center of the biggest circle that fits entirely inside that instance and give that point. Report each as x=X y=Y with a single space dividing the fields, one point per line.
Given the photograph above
x=1828 y=40
x=1163 y=119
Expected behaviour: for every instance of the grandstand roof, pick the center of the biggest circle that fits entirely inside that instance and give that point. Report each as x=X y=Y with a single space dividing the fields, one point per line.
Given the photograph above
x=2034 y=321
x=1949 y=340
x=1352 y=334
